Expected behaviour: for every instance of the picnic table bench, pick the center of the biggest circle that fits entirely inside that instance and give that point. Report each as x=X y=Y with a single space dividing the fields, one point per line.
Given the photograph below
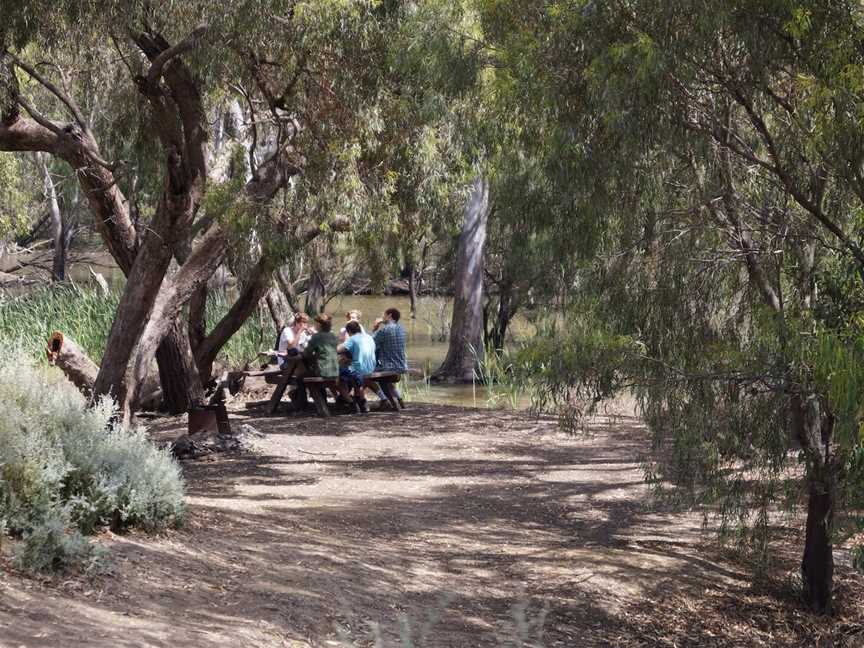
x=317 y=386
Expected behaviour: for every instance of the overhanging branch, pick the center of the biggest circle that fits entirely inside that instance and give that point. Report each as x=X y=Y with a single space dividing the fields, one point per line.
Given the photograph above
x=165 y=57
x=67 y=100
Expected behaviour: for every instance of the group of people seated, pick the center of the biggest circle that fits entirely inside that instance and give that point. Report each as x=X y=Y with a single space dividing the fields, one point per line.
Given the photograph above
x=347 y=358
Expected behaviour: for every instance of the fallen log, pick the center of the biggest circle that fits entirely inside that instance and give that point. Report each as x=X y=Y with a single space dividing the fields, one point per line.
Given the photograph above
x=81 y=371
x=72 y=361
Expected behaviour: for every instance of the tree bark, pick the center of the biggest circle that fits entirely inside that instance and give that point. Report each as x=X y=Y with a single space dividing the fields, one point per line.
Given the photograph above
x=286 y=286
x=174 y=293
x=814 y=429
x=278 y=308
x=137 y=300
x=466 y=332
x=198 y=317
x=504 y=313
x=181 y=383
x=817 y=564
x=314 y=294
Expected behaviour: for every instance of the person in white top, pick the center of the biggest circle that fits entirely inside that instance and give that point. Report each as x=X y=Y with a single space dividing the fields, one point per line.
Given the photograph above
x=292 y=339
x=350 y=316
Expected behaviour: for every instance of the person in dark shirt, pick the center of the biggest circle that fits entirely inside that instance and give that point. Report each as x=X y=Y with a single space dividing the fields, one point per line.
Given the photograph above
x=390 y=355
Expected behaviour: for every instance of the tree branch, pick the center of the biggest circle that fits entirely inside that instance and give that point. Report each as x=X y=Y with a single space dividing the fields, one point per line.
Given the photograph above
x=164 y=57
x=68 y=101
x=38 y=117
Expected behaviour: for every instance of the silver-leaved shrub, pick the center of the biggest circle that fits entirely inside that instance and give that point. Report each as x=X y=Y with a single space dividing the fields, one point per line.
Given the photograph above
x=68 y=469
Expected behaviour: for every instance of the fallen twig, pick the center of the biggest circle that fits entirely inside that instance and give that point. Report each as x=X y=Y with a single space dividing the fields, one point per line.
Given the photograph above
x=326 y=454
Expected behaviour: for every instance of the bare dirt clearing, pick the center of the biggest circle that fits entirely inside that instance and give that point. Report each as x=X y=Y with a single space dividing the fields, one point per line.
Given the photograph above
x=454 y=527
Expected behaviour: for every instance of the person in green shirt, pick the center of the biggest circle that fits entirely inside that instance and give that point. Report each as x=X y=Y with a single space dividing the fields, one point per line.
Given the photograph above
x=320 y=353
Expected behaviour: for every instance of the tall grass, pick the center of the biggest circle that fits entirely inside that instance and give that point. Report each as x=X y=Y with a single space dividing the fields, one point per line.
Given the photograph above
x=256 y=334
x=496 y=375
x=85 y=314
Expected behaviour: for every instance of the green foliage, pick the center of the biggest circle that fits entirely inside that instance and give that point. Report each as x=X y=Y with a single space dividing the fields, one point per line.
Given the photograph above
x=256 y=333
x=14 y=200
x=677 y=147
x=575 y=363
x=66 y=469
x=52 y=546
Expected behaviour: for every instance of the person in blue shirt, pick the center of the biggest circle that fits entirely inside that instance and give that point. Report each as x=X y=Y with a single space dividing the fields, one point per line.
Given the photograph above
x=361 y=347
x=389 y=339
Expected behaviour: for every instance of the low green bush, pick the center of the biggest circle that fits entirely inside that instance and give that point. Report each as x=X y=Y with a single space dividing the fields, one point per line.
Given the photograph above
x=67 y=469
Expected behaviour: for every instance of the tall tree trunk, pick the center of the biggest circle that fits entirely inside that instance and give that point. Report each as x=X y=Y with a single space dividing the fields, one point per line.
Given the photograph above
x=278 y=308
x=314 y=294
x=466 y=331
x=167 y=306
x=58 y=235
x=817 y=564
x=814 y=429
x=506 y=309
x=135 y=306
x=412 y=290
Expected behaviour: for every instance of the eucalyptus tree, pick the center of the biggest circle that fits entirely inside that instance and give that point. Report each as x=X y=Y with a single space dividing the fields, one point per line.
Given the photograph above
x=309 y=74
x=720 y=153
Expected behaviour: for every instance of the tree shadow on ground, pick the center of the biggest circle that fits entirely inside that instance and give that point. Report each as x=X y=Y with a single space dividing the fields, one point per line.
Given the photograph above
x=453 y=527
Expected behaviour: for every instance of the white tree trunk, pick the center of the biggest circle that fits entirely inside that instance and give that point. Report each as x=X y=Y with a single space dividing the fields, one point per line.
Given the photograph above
x=58 y=267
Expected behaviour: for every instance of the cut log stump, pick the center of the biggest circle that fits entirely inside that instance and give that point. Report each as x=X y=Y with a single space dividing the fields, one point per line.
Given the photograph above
x=72 y=361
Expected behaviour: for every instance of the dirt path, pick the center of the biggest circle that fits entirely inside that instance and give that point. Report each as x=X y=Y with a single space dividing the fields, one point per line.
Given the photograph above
x=450 y=527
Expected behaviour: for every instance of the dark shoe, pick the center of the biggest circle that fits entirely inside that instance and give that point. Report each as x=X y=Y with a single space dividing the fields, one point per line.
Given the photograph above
x=344 y=406
x=401 y=403
x=364 y=407
x=383 y=406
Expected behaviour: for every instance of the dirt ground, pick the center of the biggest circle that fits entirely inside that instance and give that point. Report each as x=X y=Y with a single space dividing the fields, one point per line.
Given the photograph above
x=434 y=527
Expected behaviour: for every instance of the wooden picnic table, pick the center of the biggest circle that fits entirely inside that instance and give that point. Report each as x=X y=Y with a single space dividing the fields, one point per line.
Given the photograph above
x=385 y=379
x=294 y=371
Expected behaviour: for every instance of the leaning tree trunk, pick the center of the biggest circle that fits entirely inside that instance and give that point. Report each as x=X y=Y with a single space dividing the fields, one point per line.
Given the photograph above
x=814 y=429
x=466 y=331
x=286 y=287
x=254 y=290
